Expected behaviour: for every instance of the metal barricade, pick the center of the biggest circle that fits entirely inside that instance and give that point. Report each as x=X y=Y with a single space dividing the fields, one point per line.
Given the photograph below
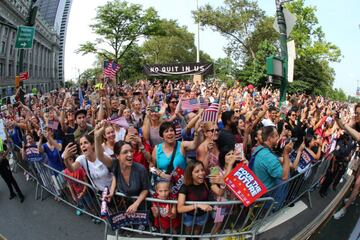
x=290 y=191
x=62 y=188
x=237 y=219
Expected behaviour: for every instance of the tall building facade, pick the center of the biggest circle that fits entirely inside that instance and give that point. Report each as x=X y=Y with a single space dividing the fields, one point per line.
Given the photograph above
x=42 y=61
x=56 y=13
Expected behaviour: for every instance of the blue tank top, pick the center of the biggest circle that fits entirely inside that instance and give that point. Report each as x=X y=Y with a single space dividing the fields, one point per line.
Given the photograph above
x=162 y=161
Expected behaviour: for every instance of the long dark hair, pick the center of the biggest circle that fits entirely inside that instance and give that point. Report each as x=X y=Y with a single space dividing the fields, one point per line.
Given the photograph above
x=119 y=145
x=189 y=169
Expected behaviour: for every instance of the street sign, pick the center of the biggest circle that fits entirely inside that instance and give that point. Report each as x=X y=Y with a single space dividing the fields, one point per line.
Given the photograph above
x=24 y=37
x=291 y=59
x=290 y=20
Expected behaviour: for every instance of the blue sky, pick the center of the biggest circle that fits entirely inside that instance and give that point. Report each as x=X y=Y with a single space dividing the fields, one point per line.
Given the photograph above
x=339 y=19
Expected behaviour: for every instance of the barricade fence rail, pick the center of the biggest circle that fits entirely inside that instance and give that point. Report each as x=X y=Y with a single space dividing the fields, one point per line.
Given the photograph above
x=227 y=218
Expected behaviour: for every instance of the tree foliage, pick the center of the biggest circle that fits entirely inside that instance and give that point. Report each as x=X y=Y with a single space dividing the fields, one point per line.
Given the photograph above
x=119 y=25
x=236 y=20
x=313 y=73
x=174 y=46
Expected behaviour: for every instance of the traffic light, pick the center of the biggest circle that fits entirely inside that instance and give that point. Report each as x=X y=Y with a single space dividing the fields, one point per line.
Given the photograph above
x=32 y=16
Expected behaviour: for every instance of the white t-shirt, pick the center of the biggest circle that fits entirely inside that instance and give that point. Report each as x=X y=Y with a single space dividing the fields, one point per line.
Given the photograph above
x=99 y=173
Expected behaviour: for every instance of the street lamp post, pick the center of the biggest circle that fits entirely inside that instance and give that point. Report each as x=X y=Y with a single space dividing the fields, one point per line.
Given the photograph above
x=283 y=48
x=30 y=21
x=198 y=36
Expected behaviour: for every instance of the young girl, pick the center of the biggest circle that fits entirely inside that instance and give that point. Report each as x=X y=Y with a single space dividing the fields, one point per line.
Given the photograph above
x=194 y=189
x=78 y=191
x=164 y=213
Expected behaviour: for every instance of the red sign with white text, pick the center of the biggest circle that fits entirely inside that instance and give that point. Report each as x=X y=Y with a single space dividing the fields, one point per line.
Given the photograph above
x=244 y=184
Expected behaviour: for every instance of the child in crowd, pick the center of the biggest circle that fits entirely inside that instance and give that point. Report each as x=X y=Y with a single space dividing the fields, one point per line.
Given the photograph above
x=78 y=191
x=195 y=189
x=165 y=216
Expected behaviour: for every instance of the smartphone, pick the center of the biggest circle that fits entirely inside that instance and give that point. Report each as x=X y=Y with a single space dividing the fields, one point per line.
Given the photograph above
x=137 y=93
x=288 y=140
x=239 y=149
x=214 y=171
x=155 y=108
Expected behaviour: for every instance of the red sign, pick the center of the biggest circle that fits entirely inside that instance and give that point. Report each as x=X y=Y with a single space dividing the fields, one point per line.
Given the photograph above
x=244 y=184
x=24 y=76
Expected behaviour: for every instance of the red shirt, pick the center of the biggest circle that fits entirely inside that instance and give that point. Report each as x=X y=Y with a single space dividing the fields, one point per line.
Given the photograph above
x=78 y=174
x=139 y=156
x=164 y=210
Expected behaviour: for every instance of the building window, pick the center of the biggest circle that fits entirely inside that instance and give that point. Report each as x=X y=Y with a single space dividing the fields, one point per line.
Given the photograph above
x=11 y=49
x=10 y=70
x=2 y=70
x=6 y=31
x=2 y=47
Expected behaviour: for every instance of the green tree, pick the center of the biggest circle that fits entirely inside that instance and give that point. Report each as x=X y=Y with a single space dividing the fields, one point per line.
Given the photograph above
x=313 y=73
x=338 y=94
x=132 y=64
x=119 y=25
x=236 y=21
x=175 y=46
x=90 y=74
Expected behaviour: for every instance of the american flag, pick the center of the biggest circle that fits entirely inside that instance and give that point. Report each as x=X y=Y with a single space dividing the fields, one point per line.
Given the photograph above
x=53 y=124
x=24 y=76
x=211 y=114
x=110 y=69
x=121 y=121
x=193 y=104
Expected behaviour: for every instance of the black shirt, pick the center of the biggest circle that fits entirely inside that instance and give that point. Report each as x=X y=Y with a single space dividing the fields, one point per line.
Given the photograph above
x=138 y=181
x=195 y=193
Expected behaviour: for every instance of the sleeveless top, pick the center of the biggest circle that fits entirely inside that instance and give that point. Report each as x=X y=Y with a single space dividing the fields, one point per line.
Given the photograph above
x=155 y=138
x=162 y=161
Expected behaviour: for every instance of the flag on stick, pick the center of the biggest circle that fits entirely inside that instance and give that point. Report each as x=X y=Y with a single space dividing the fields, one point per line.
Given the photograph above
x=110 y=69
x=211 y=114
x=121 y=121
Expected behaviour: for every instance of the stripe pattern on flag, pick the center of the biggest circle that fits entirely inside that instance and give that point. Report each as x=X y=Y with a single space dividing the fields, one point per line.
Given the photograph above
x=110 y=69
x=24 y=76
x=193 y=104
x=211 y=113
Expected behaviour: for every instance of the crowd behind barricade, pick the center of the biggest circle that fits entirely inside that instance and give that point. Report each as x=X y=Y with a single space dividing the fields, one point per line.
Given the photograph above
x=173 y=140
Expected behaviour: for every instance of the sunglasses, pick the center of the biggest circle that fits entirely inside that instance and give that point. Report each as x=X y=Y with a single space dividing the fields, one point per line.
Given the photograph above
x=213 y=130
x=237 y=111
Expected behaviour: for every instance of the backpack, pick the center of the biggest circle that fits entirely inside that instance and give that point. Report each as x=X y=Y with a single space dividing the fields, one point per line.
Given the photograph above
x=252 y=159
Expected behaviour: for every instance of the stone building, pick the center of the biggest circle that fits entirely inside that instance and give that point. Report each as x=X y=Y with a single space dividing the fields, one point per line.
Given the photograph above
x=42 y=61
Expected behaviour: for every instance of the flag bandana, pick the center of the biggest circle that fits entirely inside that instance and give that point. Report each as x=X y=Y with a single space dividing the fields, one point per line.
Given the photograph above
x=110 y=69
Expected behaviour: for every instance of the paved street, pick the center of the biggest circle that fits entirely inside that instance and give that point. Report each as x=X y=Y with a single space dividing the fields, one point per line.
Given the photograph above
x=42 y=220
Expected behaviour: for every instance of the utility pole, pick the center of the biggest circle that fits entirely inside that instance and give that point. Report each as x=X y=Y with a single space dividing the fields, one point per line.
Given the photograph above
x=30 y=21
x=198 y=36
x=283 y=47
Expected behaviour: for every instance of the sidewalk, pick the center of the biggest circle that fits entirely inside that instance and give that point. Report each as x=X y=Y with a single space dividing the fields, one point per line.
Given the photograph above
x=42 y=220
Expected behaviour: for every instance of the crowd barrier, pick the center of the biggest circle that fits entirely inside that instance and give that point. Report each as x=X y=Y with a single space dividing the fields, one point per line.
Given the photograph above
x=288 y=192
x=238 y=220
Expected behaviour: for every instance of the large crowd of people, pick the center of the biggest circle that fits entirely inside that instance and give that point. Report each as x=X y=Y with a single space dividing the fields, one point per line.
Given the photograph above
x=142 y=139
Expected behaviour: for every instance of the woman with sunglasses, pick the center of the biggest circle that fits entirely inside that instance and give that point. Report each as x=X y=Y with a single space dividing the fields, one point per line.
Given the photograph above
x=173 y=115
x=208 y=152
x=151 y=125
